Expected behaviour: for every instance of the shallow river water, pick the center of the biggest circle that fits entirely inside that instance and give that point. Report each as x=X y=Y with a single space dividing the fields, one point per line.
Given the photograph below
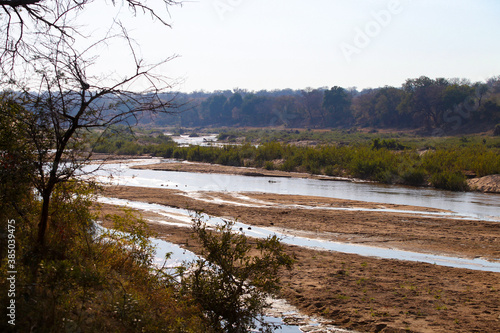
x=183 y=218
x=279 y=311
x=471 y=204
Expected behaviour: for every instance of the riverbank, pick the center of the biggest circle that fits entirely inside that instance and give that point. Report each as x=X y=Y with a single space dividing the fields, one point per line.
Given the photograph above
x=487 y=184
x=388 y=226
x=356 y=292
x=231 y=170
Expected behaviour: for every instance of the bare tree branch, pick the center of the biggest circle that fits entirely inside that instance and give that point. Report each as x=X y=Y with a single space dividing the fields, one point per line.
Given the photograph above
x=25 y=21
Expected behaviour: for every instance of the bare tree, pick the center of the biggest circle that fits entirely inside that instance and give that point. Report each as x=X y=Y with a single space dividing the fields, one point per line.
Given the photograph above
x=25 y=22
x=48 y=76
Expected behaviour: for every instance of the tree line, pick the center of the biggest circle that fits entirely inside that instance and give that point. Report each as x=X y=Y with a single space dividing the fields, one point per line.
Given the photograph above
x=445 y=104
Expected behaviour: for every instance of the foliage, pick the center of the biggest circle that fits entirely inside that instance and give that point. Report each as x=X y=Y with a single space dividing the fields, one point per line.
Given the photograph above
x=121 y=140
x=415 y=176
x=16 y=157
x=45 y=65
x=89 y=279
x=391 y=144
x=497 y=130
x=233 y=280
x=454 y=181
x=337 y=101
x=81 y=280
x=72 y=275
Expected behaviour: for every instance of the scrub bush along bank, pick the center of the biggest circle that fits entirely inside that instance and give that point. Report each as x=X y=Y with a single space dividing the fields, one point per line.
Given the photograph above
x=445 y=169
x=444 y=163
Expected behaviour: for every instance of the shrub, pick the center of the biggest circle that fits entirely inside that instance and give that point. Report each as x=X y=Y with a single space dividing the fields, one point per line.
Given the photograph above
x=269 y=165
x=453 y=181
x=369 y=167
x=333 y=170
x=390 y=144
x=497 y=130
x=269 y=151
x=83 y=281
x=230 y=157
x=231 y=285
x=414 y=176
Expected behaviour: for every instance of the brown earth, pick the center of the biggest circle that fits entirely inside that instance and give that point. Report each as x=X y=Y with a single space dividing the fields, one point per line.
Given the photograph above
x=362 y=293
x=402 y=230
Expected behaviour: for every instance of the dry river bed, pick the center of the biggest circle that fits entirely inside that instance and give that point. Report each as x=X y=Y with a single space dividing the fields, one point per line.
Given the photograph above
x=366 y=294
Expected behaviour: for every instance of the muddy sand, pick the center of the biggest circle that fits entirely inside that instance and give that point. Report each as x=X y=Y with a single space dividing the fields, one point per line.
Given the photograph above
x=365 y=294
x=404 y=229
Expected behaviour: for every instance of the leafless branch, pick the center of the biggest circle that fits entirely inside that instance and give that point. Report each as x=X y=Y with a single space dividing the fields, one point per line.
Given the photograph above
x=23 y=22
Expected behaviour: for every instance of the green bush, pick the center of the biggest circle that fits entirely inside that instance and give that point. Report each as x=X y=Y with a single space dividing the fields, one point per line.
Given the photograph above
x=229 y=157
x=453 y=181
x=414 y=176
x=130 y=148
x=333 y=170
x=390 y=144
x=269 y=165
x=230 y=283
x=382 y=159
x=85 y=281
x=269 y=151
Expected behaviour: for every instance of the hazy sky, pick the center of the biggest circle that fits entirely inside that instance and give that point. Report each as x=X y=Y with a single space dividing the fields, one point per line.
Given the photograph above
x=276 y=44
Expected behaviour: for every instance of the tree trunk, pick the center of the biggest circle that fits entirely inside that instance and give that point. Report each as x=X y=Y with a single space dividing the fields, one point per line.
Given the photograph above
x=44 y=218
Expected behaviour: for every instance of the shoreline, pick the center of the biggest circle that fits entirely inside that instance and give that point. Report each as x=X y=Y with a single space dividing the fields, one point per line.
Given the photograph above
x=199 y=167
x=352 y=291
x=486 y=184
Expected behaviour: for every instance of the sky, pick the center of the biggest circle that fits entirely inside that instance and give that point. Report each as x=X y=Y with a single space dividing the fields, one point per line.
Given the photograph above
x=279 y=44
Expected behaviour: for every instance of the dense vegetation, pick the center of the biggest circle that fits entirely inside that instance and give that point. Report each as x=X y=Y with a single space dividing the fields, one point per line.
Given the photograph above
x=441 y=168
x=84 y=278
x=435 y=105
x=90 y=279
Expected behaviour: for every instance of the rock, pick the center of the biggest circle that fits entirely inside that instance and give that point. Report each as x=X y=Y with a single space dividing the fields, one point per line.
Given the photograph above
x=490 y=184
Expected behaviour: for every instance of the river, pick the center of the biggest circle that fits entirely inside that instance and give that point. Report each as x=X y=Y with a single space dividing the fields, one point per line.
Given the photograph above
x=476 y=205
x=461 y=204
